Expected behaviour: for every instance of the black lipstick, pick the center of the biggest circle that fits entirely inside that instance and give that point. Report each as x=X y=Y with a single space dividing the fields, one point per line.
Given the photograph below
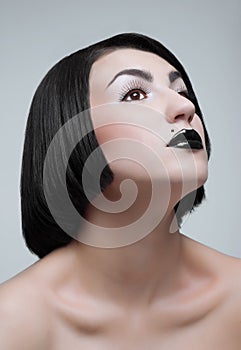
x=186 y=138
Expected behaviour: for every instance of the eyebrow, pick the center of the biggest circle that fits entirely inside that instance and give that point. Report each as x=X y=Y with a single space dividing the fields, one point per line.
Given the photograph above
x=146 y=75
x=136 y=72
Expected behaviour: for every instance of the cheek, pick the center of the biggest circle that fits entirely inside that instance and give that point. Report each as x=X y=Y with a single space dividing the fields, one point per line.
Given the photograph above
x=129 y=141
x=113 y=132
x=198 y=126
x=132 y=151
x=129 y=132
x=143 y=125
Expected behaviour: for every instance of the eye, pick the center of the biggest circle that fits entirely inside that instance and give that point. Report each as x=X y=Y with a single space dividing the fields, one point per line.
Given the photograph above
x=134 y=95
x=134 y=90
x=183 y=92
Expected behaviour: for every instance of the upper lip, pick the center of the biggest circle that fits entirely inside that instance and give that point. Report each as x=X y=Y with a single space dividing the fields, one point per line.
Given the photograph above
x=186 y=138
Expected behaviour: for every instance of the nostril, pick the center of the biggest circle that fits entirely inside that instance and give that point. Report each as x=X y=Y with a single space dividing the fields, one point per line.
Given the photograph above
x=184 y=116
x=179 y=116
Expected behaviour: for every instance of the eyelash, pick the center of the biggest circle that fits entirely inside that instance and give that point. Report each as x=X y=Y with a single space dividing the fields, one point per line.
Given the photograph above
x=131 y=86
x=183 y=90
x=138 y=85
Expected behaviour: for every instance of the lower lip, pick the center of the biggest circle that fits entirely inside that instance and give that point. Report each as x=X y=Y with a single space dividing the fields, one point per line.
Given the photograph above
x=195 y=145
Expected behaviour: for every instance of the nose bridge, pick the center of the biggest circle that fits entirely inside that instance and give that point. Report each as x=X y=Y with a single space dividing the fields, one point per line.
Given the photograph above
x=178 y=107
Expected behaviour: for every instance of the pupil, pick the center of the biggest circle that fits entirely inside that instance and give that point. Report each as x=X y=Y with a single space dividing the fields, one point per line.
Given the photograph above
x=135 y=95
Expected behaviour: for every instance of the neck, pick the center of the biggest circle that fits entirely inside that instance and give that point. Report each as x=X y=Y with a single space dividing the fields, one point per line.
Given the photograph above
x=136 y=273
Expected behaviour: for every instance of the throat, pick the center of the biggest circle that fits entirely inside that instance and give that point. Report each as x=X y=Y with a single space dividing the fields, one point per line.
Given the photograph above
x=133 y=274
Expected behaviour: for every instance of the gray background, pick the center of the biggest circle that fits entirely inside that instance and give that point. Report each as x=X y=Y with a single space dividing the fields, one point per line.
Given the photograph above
x=204 y=35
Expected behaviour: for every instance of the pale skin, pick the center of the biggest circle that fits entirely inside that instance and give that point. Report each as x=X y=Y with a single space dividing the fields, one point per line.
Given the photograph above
x=165 y=291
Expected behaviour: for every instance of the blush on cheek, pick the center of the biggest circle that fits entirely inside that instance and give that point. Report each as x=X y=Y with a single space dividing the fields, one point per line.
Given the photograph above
x=103 y=134
x=120 y=132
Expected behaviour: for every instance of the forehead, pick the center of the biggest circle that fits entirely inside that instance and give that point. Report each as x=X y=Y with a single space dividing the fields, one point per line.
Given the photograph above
x=111 y=63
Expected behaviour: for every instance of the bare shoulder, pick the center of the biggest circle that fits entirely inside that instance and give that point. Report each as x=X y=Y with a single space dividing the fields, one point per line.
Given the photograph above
x=233 y=277
x=232 y=307
x=227 y=272
x=24 y=317
x=28 y=305
x=226 y=268
x=224 y=265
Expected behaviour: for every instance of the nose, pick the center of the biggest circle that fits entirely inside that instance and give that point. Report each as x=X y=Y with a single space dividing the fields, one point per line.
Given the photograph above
x=178 y=108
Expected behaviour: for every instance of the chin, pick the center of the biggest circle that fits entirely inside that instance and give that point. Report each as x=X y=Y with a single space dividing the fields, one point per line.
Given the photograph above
x=189 y=169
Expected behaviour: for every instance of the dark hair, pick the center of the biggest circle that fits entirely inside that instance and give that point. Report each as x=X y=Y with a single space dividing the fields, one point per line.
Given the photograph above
x=62 y=94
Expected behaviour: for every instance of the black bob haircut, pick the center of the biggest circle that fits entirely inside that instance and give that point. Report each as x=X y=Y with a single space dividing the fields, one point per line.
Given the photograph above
x=62 y=94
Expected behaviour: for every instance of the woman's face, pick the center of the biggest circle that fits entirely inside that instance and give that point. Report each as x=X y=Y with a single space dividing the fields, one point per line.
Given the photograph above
x=144 y=101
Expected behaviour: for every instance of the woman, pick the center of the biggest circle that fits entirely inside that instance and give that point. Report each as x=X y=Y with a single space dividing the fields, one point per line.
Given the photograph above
x=120 y=274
